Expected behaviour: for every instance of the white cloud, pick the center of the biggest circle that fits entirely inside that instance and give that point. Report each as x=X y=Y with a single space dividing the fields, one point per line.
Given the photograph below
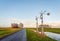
x=6 y=22
x=54 y=24
x=27 y=23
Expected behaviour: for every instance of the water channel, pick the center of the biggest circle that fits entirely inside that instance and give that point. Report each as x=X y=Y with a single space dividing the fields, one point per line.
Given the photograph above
x=53 y=35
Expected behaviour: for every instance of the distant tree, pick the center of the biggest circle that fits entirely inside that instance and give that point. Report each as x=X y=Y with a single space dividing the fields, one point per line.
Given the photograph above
x=21 y=25
x=14 y=25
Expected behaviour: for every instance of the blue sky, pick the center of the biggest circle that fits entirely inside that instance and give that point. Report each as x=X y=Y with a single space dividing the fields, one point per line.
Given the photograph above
x=22 y=10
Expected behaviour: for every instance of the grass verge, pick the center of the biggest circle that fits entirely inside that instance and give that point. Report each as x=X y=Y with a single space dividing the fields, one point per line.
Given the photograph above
x=32 y=36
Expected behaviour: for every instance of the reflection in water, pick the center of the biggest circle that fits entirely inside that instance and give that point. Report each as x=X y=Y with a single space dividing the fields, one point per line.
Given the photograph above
x=53 y=35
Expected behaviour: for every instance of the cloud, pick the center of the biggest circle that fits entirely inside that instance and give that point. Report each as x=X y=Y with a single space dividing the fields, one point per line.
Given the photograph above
x=29 y=23
x=54 y=24
x=6 y=22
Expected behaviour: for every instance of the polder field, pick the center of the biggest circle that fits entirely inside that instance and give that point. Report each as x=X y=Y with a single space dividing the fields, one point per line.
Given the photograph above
x=33 y=36
x=7 y=31
x=54 y=30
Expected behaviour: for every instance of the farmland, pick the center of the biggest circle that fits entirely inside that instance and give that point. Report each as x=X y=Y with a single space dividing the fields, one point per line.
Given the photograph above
x=54 y=30
x=7 y=31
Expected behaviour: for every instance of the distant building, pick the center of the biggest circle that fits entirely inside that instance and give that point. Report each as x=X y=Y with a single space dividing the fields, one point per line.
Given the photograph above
x=45 y=26
x=14 y=25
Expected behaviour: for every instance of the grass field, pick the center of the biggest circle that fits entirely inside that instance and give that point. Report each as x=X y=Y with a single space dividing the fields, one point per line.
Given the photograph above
x=6 y=31
x=54 y=30
x=32 y=36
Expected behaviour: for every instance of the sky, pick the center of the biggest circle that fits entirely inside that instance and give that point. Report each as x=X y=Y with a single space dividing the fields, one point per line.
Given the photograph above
x=25 y=11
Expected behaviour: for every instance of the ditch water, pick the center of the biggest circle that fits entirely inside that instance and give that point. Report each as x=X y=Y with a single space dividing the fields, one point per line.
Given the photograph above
x=53 y=35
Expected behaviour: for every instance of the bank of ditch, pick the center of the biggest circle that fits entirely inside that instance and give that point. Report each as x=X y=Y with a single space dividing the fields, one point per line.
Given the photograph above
x=33 y=36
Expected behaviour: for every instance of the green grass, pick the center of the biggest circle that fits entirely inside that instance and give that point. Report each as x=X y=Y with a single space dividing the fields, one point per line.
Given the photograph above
x=55 y=30
x=2 y=32
x=7 y=31
x=33 y=36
